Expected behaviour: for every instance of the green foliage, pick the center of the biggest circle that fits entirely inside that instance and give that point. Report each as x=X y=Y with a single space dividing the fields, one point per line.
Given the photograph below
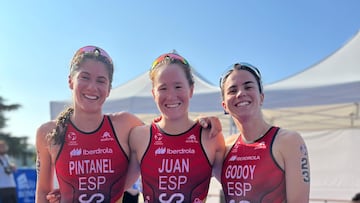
x=18 y=146
x=4 y=107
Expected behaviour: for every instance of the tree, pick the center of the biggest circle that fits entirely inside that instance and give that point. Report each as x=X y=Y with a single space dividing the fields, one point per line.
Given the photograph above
x=3 y=108
x=18 y=145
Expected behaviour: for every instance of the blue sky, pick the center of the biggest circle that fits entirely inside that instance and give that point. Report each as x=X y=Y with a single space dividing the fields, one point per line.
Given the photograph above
x=38 y=39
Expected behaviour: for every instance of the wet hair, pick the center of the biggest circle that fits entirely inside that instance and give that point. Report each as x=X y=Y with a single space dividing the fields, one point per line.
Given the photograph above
x=171 y=60
x=241 y=66
x=57 y=135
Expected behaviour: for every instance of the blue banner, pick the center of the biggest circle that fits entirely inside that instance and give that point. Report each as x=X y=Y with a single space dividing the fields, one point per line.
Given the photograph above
x=25 y=179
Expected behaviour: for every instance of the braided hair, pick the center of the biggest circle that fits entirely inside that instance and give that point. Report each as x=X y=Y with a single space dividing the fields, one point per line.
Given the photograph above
x=57 y=135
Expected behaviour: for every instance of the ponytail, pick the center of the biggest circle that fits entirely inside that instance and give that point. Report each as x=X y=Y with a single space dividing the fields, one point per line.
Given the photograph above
x=57 y=135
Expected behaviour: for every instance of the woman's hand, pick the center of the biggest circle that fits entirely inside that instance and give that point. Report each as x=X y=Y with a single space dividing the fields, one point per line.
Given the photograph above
x=210 y=122
x=54 y=196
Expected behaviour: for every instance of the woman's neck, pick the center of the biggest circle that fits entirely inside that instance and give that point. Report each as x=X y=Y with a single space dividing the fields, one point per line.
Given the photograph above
x=252 y=130
x=177 y=126
x=87 y=122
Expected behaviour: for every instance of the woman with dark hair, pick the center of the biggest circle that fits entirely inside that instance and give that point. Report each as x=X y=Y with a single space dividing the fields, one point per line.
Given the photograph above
x=263 y=163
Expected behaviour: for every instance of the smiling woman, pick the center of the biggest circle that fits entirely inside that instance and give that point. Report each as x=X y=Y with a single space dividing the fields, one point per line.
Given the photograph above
x=88 y=149
x=175 y=156
x=260 y=152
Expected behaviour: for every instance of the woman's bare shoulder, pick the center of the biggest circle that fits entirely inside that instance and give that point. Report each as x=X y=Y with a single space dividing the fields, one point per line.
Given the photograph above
x=140 y=130
x=289 y=141
x=285 y=135
x=139 y=137
x=42 y=132
x=46 y=128
x=125 y=116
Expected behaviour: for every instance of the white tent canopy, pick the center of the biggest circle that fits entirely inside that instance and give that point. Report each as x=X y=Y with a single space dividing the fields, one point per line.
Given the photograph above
x=324 y=96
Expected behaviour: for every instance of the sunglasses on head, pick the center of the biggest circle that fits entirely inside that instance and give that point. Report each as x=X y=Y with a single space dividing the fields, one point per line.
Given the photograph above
x=95 y=50
x=171 y=56
x=241 y=66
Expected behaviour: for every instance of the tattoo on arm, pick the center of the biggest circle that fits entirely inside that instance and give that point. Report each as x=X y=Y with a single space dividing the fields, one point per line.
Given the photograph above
x=305 y=169
x=38 y=164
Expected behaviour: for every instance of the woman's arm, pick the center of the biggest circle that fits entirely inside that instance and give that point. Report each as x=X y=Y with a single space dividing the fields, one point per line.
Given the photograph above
x=219 y=156
x=44 y=167
x=138 y=141
x=296 y=166
x=133 y=171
